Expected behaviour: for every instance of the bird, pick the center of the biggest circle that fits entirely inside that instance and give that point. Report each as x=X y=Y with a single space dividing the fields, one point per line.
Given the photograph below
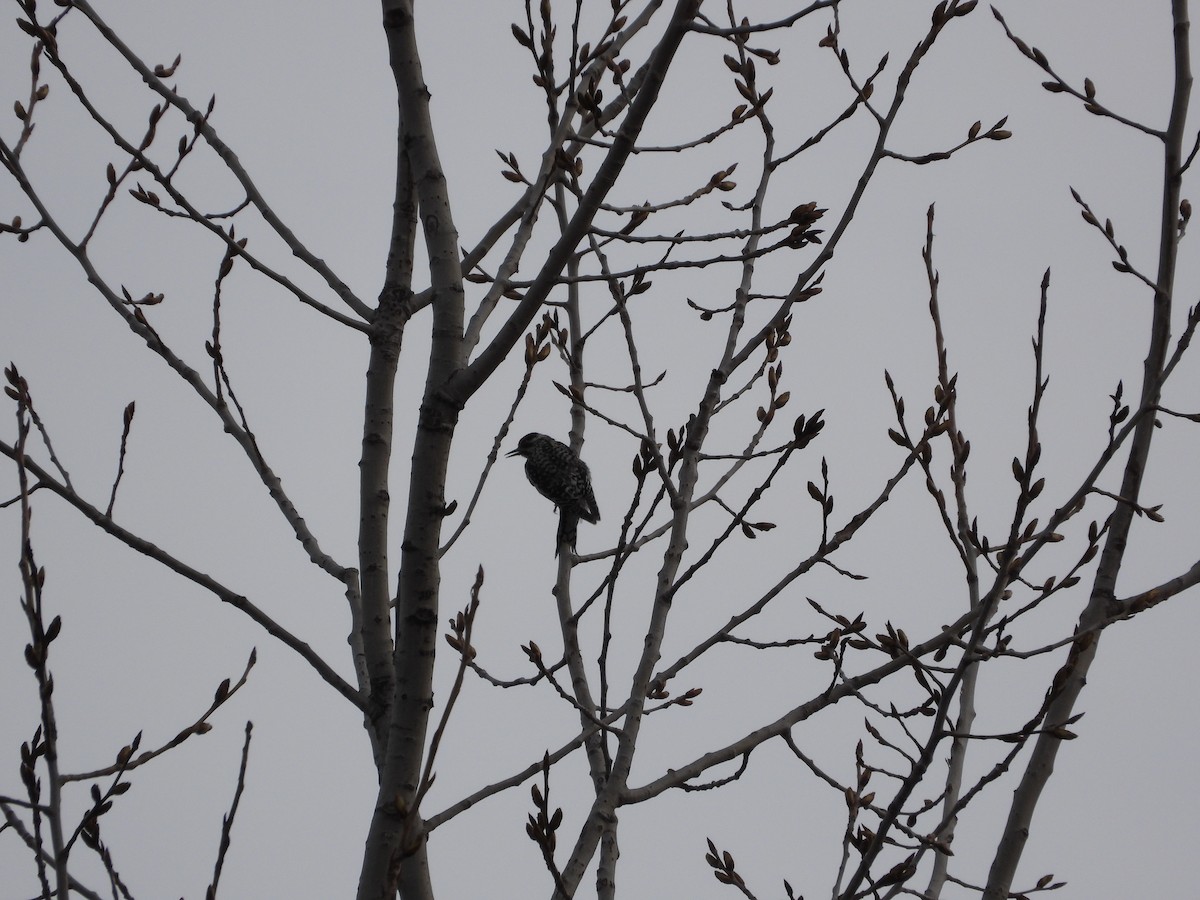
x=562 y=478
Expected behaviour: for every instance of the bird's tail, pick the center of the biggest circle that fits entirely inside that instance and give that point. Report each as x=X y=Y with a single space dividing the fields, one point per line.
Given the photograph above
x=568 y=527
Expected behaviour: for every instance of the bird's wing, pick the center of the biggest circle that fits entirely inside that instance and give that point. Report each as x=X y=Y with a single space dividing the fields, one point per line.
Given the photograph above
x=588 y=509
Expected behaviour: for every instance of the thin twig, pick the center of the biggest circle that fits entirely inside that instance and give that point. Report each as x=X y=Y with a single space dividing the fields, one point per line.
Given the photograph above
x=227 y=819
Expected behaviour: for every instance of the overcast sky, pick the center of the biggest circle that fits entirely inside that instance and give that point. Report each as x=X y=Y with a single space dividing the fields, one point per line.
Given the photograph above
x=305 y=98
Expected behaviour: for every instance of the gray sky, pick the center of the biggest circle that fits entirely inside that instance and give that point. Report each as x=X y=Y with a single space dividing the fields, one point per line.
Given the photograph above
x=305 y=98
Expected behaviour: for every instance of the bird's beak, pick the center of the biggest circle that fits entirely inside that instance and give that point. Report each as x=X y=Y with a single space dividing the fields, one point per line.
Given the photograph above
x=513 y=452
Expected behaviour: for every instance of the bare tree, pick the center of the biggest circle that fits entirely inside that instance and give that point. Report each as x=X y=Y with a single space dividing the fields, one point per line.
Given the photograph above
x=574 y=284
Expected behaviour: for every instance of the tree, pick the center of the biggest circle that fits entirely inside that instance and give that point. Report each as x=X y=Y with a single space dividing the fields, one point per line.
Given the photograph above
x=641 y=283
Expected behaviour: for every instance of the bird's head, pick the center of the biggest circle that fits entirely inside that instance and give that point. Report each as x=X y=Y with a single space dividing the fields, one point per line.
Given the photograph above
x=526 y=444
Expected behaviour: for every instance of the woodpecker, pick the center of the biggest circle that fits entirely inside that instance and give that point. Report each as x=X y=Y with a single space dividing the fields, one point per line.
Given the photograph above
x=562 y=478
